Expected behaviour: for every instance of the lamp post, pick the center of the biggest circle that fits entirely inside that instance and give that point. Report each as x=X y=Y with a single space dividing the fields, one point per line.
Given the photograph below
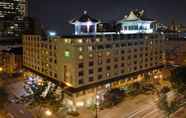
x=97 y=103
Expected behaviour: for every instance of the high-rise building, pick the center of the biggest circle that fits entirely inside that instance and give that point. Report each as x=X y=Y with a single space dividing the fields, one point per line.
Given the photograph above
x=12 y=13
x=90 y=62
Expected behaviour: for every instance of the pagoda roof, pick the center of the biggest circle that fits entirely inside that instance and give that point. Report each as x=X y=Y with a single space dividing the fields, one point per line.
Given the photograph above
x=136 y=15
x=84 y=18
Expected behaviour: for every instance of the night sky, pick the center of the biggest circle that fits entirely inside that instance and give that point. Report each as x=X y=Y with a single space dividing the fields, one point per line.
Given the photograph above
x=55 y=14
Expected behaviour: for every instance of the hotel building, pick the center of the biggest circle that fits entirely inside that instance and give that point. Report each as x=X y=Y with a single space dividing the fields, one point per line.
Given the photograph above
x=89 y=63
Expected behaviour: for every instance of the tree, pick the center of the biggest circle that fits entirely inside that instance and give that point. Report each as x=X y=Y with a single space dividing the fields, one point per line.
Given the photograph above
x=3 y=98
x=178 y=79
x=163 y=104
x=43 y=94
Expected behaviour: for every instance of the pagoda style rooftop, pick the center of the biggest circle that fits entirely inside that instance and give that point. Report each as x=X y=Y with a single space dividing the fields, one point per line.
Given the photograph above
x=84 y=18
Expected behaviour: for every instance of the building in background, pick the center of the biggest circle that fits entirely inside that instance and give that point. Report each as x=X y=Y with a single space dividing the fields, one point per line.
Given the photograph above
x=11 y=60
x=89 y=63
x=175 y=48
x=12 y=13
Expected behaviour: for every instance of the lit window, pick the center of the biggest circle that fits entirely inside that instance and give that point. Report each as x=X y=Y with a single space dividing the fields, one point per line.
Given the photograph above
x=108 y=53
x=67 y=53
x=90 y=48
x=80 y=57
x=80 y=49
x=97 y=40
x=67 y=41
x=91 y=55
x=80 y=41
x=108 y=74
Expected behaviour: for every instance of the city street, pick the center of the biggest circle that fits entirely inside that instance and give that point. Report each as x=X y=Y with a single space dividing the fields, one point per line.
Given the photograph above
x=141 y=106
x=15 y=90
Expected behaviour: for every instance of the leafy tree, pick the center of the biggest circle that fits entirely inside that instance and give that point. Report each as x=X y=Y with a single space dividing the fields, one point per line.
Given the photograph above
x=3 y=98
x=178 y=79
x=163 y=104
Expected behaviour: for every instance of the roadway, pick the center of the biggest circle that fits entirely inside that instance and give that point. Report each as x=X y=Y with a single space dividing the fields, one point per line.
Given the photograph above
x=141 y=106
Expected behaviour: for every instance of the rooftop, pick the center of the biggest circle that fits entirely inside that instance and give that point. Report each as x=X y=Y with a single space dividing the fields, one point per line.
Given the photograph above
x=84 y=18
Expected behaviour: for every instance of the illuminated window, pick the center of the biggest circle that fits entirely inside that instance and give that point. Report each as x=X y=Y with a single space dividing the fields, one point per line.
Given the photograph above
x=97 y=40
x=108 y=74
x=80 y=49
x=90 y=48
x=80 y=57
x=108 y=53
x=67 y=40
x=67 y=53
x=91 y=55
x=80 y=41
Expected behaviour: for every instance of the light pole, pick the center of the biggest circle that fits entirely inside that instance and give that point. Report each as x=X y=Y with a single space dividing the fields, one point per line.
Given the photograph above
x=97 y=97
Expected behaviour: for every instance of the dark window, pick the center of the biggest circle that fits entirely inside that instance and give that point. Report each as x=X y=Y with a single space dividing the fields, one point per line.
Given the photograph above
x=117 y=45
x=100 y=76
x=81 y=81
x=108 y=68
x=108 y=60
x=129 y=44
x=91 y=71
x=100 y=69
x=80 y=65
x=55 y=75
x=135 y=62
x=123 y=45
x=81 y=73
x=100 y=47
x=129 y=57
x=115 y=59
x=91 y=63
x=122 y=64
x=115 y=66
x=108 y=46
x=91 y=79
x=55 y=61
x=122 y=52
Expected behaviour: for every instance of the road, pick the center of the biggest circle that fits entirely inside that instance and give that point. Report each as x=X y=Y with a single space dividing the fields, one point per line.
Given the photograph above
x=15 y=89
x=141 y=106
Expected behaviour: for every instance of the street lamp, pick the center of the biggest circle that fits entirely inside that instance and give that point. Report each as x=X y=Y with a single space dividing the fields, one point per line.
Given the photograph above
x=1 y=69
x=48 y=113
x=97 y=103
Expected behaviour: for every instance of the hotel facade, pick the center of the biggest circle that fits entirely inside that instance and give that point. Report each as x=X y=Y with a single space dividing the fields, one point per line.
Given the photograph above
x=89 y=63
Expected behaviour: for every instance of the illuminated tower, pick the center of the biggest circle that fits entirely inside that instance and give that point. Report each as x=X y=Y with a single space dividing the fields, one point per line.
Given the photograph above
x=85 y=25
x=136 y=22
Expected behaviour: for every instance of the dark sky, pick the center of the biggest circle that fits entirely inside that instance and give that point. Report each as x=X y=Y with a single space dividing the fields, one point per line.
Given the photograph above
x=55 y=14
